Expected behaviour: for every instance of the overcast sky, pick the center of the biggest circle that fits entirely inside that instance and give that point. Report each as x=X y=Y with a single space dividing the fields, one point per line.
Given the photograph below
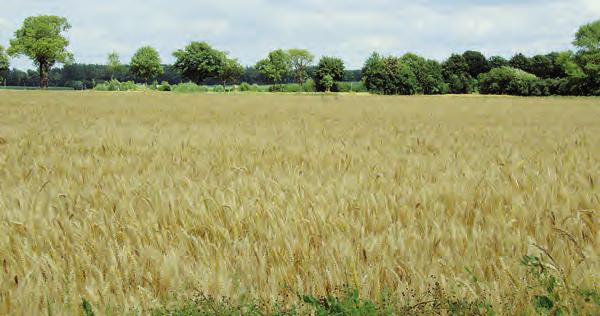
x=350 y=29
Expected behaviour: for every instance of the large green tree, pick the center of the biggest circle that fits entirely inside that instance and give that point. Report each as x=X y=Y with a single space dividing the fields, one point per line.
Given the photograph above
x=478 y=64
x=42 y=39
x=276 y=67
x=145 y=63
x=331 y=66
x=199 y=61
x=300 y=59
x=390 y=75
x=428 y=74
x=3 y=63
x=229 y=71
x=456 y=74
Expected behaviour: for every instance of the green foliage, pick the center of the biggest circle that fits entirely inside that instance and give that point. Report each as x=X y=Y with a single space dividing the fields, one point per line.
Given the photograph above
x=276 y=67
x=76 y=85
x=456 y=74
x=188 y=87
x=3 y=62
x=300 y=60
x=520 y=61
x=507 y=80
x=327 y=82
x=199 y=61
x=497 y=62
x=329 y=66
x=87 y=308
x=428 y=74
x=41 y=39
x=357 y=86
x=477 y=62
x=588 y=37
x=145 y=63
x=309 y=86
x=389 y=75
x=219 y=89
x=229 y=71
x=116 y=85
x=114 y=64
x=244 y=87
x=164 y=86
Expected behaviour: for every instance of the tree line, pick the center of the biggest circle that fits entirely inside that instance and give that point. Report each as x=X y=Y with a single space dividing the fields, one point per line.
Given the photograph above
x=42 y=39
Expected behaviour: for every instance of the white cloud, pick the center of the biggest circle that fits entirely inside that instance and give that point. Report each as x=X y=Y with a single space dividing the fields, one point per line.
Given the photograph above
x=346 y=28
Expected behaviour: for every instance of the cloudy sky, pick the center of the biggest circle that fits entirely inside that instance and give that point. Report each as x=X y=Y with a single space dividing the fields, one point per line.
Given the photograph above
x=350 y=29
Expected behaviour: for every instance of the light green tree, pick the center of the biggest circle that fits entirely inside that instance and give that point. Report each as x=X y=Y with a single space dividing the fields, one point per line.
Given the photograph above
x=276 y=67
x=300 y=60
x=588 y=37
x=114 y=64
x=146 y=63
x=327 y=82
x=3 y=63
x=41 y=38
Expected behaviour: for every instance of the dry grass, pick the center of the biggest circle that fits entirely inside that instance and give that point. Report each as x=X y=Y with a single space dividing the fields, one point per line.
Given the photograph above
x=132 y=199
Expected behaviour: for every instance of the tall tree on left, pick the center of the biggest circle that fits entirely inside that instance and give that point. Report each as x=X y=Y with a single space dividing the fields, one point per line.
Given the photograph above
x=42 y=39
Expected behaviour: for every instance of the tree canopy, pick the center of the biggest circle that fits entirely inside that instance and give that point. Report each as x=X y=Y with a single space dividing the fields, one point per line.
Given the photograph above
x=328 y=65
x=41 y=39
x=276 y=66
x=300 y=60
x=199 y=61
x=146 y=63
x=588 y=36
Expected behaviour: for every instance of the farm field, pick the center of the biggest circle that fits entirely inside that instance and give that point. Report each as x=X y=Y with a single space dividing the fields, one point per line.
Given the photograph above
x=133 y=201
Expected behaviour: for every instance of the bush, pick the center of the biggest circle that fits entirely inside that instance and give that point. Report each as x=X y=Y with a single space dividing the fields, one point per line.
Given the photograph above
x=276 y=88
x=293 y=87
x=309 y=86
x=116 y=85
x=76 y=84
x=218 y=89
x=244 y=87
x=188 y=87
x=357 y=86
x=164 y=86
x=510 y=81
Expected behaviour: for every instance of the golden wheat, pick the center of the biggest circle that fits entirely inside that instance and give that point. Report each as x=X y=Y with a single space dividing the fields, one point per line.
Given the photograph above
x=132 y=200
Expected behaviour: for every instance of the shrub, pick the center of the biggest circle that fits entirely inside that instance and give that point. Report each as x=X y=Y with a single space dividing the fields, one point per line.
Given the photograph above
x=218 y=89
x=164 y=86
x=116 y=85
x=511 y=81
x=276 y=88
x=355 y=86
x=293 y=87
x=188 y=87
x=244 y=86
x=309 y=86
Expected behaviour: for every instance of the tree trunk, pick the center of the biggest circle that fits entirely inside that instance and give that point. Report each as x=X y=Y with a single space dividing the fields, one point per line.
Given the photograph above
x=44 y=75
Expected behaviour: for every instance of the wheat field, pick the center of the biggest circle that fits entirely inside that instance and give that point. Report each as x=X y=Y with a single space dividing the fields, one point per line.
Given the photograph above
x=133 y=200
